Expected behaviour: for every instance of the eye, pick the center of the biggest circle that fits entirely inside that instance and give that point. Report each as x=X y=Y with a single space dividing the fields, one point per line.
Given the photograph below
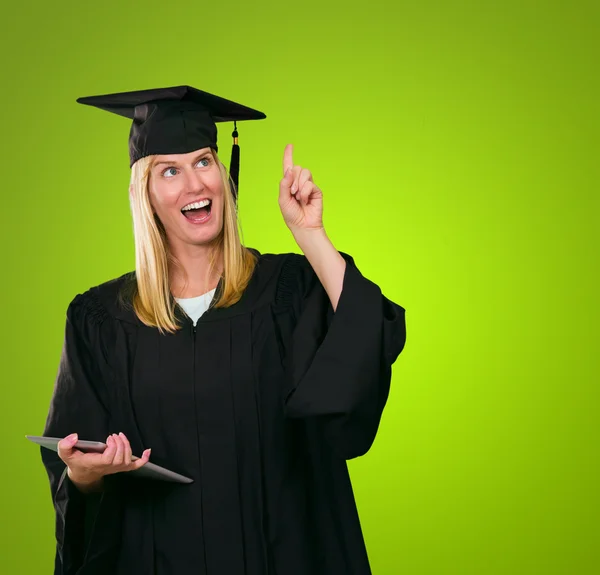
x=203 y=162
x=164 y=173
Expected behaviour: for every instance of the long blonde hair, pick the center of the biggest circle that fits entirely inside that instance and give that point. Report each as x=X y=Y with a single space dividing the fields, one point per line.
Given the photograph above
x=151 y=298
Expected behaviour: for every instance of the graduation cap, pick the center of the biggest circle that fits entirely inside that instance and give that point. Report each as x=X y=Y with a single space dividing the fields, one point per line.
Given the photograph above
x=175 y=120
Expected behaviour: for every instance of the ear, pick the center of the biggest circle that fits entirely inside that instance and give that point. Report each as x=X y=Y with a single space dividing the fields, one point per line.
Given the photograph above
x=131 y=191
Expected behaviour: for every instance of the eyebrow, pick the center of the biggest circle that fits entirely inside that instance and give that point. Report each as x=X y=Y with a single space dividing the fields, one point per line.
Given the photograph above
x=172 y=163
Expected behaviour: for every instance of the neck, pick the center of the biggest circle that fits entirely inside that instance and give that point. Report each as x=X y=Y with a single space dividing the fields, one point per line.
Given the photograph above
x=193 y=276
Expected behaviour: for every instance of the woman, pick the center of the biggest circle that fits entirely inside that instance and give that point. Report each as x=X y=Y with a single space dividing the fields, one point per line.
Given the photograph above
x=260 y=399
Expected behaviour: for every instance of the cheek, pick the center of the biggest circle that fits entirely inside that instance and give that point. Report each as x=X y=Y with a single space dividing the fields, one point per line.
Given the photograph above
x=218 y=190
x=161 y=198
x=216 y=184
x=221 y=207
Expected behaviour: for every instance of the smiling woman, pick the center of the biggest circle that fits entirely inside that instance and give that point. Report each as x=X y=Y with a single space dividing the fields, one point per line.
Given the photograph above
x=255 y=375
x=189 y=188
x=163 y=189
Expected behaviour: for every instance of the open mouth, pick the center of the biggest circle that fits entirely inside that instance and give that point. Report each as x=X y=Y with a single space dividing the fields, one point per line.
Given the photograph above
x=197 y=212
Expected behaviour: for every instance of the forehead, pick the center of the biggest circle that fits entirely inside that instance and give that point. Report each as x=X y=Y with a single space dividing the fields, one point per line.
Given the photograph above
x=179 y=158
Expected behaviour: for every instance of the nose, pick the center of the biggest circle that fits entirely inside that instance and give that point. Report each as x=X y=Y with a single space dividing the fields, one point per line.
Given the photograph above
x=193 y=180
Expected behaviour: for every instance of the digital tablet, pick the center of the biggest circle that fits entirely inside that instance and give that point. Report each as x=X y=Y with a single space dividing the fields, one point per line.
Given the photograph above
x=150 y=470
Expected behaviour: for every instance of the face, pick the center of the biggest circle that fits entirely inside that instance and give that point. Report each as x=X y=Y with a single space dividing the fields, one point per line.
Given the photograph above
x=186 y=193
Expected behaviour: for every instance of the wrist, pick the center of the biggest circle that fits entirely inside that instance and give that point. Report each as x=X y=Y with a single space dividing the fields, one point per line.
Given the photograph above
x=309 y=236
x=85 y=482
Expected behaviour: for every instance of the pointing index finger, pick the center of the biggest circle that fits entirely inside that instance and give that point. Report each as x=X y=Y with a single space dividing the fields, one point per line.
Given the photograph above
x=288 y=161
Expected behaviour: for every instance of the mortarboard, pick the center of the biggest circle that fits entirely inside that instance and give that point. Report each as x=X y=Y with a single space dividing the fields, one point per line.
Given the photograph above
x=175 y=120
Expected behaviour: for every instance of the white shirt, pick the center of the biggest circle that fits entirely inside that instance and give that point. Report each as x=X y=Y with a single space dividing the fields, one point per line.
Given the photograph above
x=194 y=307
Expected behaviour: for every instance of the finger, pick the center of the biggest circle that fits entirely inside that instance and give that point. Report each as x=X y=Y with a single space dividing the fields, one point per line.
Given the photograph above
x=285 y=186
x=305 y=176
x=142 y=460
x=288 y=161
x=296 y=171
x=305 y=192
x=66 y=446
x=119 y=455
x=109 y=453
x=127 y=453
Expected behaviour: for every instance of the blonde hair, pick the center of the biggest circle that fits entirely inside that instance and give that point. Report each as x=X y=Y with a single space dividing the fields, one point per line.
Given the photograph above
x=151 y=297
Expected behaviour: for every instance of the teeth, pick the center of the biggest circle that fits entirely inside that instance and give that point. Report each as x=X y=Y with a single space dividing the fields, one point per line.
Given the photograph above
x=196 y=205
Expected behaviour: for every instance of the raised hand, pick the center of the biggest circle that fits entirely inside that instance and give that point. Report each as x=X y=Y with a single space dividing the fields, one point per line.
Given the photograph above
x=300 y=200
x=86 y=470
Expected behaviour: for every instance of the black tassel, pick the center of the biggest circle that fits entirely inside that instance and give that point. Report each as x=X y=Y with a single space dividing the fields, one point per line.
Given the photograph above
x=234 y=166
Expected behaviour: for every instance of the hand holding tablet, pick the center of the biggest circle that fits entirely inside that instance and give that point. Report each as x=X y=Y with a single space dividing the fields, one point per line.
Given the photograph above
x=94 y=459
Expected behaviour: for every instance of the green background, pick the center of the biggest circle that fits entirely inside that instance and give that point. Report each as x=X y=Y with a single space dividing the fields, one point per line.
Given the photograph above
x=457 y=147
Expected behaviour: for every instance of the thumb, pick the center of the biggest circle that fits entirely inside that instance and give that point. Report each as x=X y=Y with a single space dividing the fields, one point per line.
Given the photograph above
x=66 y=445
x=71 y=440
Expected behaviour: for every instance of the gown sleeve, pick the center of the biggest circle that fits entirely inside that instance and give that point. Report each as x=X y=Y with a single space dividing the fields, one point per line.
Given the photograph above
x=339 y=364
x=79 y=404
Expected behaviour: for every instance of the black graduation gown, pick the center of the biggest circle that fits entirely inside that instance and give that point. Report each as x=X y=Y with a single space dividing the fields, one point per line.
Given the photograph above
x=261 y=405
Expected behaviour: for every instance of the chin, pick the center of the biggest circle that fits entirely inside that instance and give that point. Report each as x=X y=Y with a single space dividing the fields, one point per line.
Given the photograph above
x=205 y=237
